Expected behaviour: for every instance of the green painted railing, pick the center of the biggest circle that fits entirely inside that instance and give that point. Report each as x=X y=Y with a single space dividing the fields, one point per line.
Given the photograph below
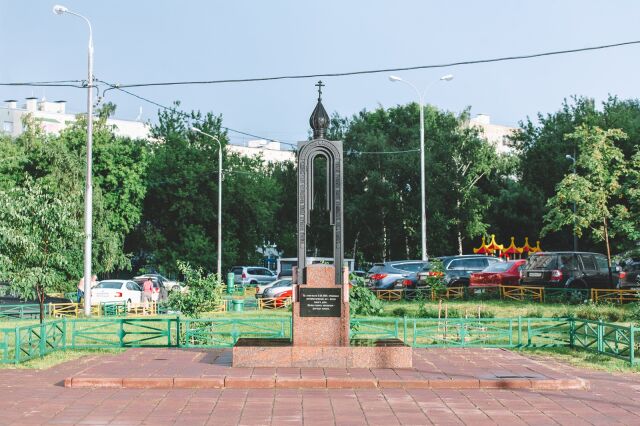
x=110 y=309
x=18 y=344
x=604 y=338
x=31 y=310
x=378 y=328
x=225 y=332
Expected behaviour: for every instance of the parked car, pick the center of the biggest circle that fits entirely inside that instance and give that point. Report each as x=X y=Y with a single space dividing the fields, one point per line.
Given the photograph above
x=116 y=291
x=160 y=293
x=281 y=299
x=252 y=275
x=170 y=285
x=458 y=269
x=567 y=270
x=261 y=288
x=277 y=289
x=498 y=273
x=383 y=276
x=629 y=274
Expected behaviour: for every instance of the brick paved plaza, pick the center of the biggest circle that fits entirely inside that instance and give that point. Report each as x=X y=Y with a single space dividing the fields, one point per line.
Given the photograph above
x=39 y=397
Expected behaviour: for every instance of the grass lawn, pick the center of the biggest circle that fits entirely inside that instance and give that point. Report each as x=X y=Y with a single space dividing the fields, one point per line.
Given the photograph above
x=582 y=359
x=625 y=313
x=59 y=357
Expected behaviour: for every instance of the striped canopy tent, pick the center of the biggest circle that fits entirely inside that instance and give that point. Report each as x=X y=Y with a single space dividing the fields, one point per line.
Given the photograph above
x=526 y=248
x=482 y=249
x=511 y=251
x=493 y=246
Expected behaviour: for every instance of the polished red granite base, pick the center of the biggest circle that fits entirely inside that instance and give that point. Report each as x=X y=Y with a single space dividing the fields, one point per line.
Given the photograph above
x=388 y=353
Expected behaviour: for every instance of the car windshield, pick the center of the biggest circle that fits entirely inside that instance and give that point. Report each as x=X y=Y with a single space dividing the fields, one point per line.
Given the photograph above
x=542 y=261
x=109 y=284
x=499 y=267
x=283 y=283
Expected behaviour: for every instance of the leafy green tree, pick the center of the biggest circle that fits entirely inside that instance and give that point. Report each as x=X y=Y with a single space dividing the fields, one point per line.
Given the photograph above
x=37 y=229
x=382 y=181
x=180 y=208
x=594 y=188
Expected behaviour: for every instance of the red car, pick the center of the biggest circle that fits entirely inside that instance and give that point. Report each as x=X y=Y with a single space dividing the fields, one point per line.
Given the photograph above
x=280 y=300
x=499 y=273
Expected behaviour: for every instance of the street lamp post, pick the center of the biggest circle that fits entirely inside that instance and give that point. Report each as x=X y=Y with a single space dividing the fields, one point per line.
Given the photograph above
x=88 y=197
x=423 y=209
x=575 y=236
x=219 y=265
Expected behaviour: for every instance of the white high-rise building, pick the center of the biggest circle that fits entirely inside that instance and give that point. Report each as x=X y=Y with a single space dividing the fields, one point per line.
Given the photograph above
x=53 y=118
x=495 y=133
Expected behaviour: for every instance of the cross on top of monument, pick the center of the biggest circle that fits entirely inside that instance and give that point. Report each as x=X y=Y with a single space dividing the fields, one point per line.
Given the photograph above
x=319 y=119
x=319 y=85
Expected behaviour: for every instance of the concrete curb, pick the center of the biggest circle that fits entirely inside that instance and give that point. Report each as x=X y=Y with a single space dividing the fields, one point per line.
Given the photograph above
x=226 y=382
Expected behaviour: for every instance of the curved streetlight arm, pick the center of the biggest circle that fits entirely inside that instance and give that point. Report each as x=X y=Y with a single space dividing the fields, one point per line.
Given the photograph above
x=215 y=138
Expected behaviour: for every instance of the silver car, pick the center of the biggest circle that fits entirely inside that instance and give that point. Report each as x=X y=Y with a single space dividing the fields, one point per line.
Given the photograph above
x=252 y=275
x=262 y=288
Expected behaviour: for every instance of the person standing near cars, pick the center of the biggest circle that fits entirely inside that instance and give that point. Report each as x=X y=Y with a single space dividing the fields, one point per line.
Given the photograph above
x=147 y=292
x=94 y=282
x=80 y=289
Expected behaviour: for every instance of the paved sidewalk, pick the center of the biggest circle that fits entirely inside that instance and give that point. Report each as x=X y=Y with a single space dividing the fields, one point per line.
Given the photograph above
x=433 y=369
x=36 y=397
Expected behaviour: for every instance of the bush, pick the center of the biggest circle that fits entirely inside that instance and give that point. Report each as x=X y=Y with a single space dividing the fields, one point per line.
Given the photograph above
x=363 y=301
x=204 y=294
x=634 y=313
x=534 y=313
x=400 y=312
x=595 y=312
x=425 y=311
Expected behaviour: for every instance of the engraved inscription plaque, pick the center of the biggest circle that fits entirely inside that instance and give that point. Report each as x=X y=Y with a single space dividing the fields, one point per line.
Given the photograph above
x=320 y=302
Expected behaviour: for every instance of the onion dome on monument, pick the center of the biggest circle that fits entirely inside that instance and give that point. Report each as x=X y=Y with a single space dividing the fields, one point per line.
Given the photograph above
x=319 y=119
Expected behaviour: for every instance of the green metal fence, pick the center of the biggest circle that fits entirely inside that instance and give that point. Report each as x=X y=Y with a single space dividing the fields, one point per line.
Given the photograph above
x=379 y=328
x=22 y=311
x=225 y=332
x=22 y=343
x=604 y=338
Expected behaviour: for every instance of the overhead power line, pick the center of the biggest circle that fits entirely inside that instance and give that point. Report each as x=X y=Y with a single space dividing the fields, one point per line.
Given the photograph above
x=66 y=83
x=185 y=114
x=58 y=83
x=384 y=70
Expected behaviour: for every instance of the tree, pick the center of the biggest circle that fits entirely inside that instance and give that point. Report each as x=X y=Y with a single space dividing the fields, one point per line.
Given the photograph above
x=594 y=188
x=180 y=208
x=37 y=229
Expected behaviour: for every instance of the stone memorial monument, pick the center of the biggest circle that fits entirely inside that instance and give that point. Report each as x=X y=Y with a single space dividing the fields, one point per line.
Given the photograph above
x=320 y=316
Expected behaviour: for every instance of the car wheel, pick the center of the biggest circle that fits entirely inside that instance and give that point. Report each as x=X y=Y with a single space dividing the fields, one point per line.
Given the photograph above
x=253 y=282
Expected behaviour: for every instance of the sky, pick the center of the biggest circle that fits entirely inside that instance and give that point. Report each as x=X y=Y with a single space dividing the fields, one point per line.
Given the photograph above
x=170 y=40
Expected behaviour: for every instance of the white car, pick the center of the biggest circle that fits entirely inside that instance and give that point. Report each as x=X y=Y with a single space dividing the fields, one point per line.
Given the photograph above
x=116 y=291
x=261 y=288
x=170 y=285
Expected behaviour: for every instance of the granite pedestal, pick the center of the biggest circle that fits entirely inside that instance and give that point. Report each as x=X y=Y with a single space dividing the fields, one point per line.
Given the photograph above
x=320 y=336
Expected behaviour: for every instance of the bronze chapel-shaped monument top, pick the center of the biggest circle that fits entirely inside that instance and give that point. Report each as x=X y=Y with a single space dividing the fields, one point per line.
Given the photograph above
x=308 y=151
